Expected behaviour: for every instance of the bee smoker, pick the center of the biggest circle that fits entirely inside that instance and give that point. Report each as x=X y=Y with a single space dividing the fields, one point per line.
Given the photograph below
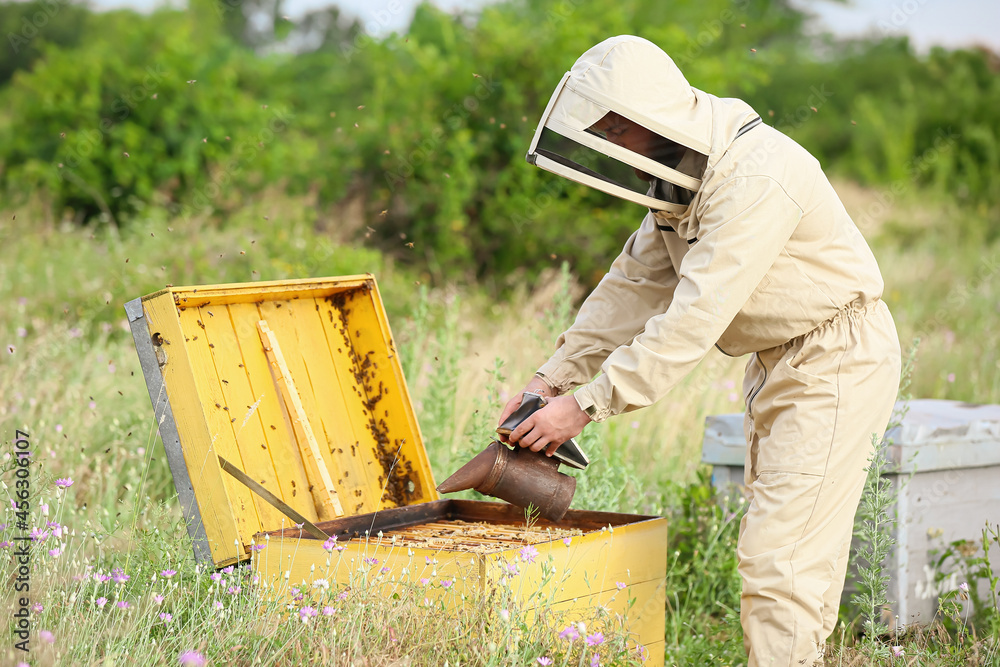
x=518 y=475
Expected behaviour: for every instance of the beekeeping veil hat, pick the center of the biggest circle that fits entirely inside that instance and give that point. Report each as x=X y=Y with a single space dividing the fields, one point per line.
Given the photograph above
x=634 y=78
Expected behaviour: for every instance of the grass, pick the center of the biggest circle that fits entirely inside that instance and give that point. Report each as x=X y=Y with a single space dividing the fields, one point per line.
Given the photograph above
x=70 y=378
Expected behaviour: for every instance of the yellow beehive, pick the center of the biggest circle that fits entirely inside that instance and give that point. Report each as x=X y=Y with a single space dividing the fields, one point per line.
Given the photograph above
x=298 y=385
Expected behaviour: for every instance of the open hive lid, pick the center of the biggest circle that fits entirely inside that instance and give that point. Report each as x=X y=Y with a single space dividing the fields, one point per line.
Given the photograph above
x=216 y=391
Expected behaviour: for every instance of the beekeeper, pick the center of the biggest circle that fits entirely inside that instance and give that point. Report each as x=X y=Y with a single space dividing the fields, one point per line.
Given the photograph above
x=745 y=247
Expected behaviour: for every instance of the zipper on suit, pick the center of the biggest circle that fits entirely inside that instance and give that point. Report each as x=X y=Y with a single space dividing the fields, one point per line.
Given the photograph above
x=756 y=391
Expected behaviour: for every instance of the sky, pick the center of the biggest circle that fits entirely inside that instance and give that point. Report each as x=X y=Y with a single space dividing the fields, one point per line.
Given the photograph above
x=949 y=23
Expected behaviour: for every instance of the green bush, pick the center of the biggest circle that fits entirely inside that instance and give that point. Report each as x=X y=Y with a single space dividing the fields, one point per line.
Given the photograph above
x=427 y=129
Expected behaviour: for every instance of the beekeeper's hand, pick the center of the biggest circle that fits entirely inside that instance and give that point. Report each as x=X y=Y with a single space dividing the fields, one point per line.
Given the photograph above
x=536 y=386
x=551 y=426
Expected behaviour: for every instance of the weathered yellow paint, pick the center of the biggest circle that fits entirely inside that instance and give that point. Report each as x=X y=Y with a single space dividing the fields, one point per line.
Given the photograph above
x=293 y=488
x=386 y=392
x=309 y=353
x=368 y=564
x=237 y=397
x=357 y=453
x=656 y=653
x=266 y=290
x=222 y=441
x=221 y=526
x=317 y=472
x=594 y=561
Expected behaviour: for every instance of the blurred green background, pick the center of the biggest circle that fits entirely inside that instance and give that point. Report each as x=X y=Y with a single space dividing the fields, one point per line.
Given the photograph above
x=116 y=117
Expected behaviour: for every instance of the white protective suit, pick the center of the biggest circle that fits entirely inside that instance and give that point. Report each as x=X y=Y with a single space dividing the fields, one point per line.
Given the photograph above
x=756 y=254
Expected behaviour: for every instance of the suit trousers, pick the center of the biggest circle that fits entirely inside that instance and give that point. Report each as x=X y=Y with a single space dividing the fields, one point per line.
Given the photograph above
x=813 y=406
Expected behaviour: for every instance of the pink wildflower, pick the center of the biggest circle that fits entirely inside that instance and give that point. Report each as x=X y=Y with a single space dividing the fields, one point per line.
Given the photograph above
x=258 y=547
x=528 y=553
x=166 y=618
x=119 y=576
x=218 y=606
x=233 y=590
x=215 y=576
x=4 y=544
x=64 y=482
x=227 y=570
x=101 y=601
x=329 y=611
x=424 y=581
x=570 y=633
x=47 y=637
x=122 y=604
x=567 y=541
x=55 y=552
x=897 y=651
x=964 y=587
x=38 y=535
x=37 y=608
x=595 y=639
x=371 y=561
x=166 y=574
x=158 y=599
x=192 y=659
x=545 y=661
x=621 y=585
x=306 y=613
x=446 y=583
x=330 y=543
x=101 y=578
x=342 y=596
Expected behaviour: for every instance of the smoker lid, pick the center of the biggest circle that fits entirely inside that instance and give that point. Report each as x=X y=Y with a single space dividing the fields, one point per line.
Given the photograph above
x=934 y=434
x=216 y=393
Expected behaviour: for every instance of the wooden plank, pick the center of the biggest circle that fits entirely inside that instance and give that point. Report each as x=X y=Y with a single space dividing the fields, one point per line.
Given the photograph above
x=384 y=520
x=587 y=520
x=222 y=527
x=291 y=318
x=238 y=402
x=373 y=567
x=406 y=473
x=223 y=442
x=277 y=429
x=656 y=652
x=592 y=562
x=196 y=296
x=324 y=494
x=363 y=450
x=342 y=415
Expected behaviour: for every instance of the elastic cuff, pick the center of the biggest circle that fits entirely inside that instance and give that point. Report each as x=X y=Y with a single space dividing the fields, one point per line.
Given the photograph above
x=585 y=400
x=552 y=386
x=554 y=377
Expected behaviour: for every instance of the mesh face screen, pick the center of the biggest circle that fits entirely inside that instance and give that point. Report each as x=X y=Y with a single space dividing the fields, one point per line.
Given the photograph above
x=585 y=160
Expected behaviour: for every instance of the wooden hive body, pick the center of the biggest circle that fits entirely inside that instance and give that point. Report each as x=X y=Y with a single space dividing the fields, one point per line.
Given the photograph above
x=216 y=391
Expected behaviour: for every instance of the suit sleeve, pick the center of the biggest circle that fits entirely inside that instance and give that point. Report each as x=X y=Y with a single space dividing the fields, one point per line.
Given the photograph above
x=639 y=284
x=743 y=227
